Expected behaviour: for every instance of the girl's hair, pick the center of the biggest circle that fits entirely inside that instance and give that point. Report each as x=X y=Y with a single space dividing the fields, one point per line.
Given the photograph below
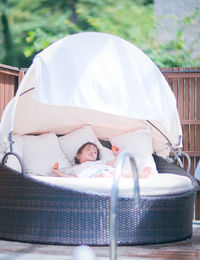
x=81 y=148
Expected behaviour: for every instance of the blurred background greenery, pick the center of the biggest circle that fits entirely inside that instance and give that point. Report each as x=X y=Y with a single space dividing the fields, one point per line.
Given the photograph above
x=28 y=26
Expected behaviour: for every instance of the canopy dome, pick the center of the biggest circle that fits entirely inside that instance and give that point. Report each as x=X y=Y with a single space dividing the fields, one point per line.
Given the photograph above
x=98 y=79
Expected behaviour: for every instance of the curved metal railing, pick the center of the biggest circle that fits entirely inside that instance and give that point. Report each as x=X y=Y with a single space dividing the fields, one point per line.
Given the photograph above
x=114 y=195
x=18 y=158
x=183 y=154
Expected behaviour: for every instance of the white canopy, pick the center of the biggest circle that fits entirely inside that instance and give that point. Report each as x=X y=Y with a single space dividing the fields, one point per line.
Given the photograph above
x=98 y=79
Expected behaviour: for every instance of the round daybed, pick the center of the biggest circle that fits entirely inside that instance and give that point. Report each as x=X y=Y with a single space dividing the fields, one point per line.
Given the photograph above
x=34 y=210
x=103 y=81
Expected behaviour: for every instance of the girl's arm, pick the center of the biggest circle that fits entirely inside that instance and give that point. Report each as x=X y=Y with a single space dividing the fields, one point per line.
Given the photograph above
x=116 y=152
x=58 y=173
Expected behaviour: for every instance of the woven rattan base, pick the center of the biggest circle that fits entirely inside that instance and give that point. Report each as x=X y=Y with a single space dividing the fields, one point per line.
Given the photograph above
x=33 y=211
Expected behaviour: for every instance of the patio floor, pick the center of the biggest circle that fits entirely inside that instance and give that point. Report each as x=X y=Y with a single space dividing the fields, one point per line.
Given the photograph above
x=188 y=250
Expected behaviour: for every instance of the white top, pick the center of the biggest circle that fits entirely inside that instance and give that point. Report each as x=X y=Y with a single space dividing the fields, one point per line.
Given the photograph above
x=90 y=169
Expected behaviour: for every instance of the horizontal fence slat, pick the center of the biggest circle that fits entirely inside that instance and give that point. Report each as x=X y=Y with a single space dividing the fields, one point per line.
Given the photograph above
x=193 y=153
x=8 y=67
x=12 y=73
x=190 y=122
x=175 y=75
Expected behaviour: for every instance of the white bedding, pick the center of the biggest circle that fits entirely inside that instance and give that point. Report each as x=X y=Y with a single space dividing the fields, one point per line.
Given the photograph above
x=155 y=185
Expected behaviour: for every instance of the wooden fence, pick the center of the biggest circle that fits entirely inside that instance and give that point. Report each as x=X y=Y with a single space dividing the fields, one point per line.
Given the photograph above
x=10 y=78
x=184 y=82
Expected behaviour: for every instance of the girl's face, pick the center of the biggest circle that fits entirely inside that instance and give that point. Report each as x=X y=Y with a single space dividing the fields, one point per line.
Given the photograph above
x=88 y=153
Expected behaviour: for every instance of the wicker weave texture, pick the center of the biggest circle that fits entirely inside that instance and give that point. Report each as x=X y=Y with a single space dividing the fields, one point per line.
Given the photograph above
x=33 y=211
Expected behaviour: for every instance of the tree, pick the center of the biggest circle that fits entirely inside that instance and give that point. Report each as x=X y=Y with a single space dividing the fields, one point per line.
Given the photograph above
x=29 y=26
x=121 y=18
x=7 y=41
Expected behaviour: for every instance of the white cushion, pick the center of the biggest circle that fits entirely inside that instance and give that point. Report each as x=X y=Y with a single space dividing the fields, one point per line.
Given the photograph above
x=71 y=142
x=154 y=185
x=12 y=161
x=139 y=144
x=41 y=152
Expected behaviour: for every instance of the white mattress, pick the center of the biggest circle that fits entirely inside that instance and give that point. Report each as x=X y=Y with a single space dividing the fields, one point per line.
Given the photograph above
x=155 y=185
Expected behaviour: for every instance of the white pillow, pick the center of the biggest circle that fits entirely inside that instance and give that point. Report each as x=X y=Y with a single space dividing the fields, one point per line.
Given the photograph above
x=71 y=142
x=139 y=144
x=12 y=161
x=41 y=152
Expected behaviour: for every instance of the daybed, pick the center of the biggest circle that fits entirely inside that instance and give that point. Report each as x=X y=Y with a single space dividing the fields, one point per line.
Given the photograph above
x=100 y=82
x=37 y=210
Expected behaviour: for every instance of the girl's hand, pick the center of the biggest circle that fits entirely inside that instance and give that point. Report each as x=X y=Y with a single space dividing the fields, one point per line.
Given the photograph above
x=56 y=165
x=115 y=150
x=56 y=171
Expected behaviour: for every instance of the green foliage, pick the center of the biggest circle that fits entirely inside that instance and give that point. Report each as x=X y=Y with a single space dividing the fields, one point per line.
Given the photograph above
x=121 y=18
x=144 y=2
x=175 y=53
x=33 y=25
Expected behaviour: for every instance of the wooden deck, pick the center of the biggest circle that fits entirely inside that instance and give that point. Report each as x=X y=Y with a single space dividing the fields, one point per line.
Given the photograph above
x=188 y=250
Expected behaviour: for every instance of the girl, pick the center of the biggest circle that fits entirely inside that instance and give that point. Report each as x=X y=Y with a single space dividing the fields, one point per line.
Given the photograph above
x=88 y=164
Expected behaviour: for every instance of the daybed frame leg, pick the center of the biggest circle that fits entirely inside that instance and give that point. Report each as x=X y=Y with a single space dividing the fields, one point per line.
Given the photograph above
x=114 y=195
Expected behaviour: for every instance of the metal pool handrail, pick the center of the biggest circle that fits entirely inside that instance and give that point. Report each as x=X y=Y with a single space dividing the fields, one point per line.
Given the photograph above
x=114 y=195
